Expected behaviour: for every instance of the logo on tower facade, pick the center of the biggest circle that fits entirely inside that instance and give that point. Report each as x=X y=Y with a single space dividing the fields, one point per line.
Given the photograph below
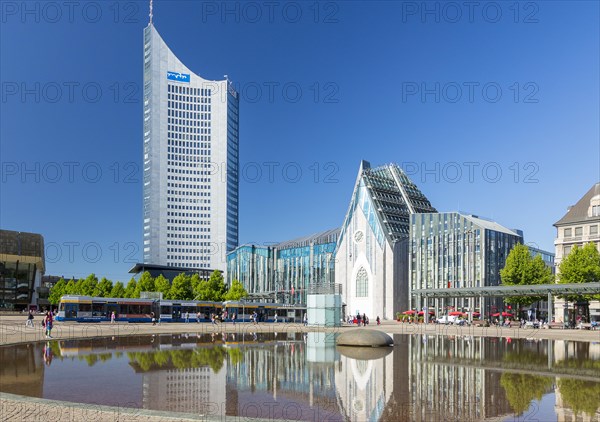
x=179 y=77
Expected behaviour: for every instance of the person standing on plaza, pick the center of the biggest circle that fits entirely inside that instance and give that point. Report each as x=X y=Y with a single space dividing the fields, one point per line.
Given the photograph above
x=364 y=320
x=378 y=320
x=305 y=319
x=48 y=324
x=275 y=316
x=233 y=318
x=187 y=317
x=29 y=322
x=112 y=317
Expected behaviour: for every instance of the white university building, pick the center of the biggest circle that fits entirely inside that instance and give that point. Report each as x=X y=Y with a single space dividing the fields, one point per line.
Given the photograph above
x=191 y=162
x=371 y=256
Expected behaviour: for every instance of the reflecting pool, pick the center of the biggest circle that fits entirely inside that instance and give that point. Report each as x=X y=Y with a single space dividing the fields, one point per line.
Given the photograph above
x=300 y=376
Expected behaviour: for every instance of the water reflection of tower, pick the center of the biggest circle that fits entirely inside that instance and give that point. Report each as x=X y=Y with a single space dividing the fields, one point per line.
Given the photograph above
x=190 y=390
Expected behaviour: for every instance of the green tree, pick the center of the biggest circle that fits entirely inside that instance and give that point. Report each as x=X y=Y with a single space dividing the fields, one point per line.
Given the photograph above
x=130 y=290
x=523 y=270
x=181 y=288
x=78 y=289
x=57 y=291
x=195 y=280
x=582 y=265
x=88 y=285
x=236 y=291
x=104 y=288
x=161 y=284
x=216 y=285
x=70 y=288
x=118 y=290
x=145 y=284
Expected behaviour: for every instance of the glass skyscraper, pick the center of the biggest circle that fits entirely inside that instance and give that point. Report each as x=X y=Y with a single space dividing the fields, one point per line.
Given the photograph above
x=191 y=160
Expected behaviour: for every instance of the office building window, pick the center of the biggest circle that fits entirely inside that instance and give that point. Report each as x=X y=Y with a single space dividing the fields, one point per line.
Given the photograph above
x=568 y=233
x=578 y=231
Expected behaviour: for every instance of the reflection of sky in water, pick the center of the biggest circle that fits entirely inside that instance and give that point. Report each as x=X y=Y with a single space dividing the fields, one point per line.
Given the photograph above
x=299 y=377
x=112 y=382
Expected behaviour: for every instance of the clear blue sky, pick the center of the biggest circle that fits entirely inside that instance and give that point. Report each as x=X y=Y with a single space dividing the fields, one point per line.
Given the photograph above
x=367 y=74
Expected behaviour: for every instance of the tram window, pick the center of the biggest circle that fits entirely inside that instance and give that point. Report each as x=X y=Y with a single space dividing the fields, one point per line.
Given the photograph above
x=98 y=309
x=145 y=309
x=85 y=307
x=61 y=307
x=165 y=310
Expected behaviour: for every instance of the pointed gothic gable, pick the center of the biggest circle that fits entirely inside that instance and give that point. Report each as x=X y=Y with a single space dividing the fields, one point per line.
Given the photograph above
x=387 y=198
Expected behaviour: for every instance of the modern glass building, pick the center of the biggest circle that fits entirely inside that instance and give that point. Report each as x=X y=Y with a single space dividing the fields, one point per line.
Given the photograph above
x=191 y=160
x=371 y=257
x=284 y=271
x=22 y=265
x=452 y=250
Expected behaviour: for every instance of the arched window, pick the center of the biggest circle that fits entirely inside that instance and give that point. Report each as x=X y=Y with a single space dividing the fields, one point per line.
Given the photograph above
x=362 y=283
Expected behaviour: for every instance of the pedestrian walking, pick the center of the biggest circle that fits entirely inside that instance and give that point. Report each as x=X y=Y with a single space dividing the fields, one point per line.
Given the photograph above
x=305 y=319
x=187 y=316
x=275 y=316
x=113 y=316
x=233 y=318
x=29 y=322
x=378 y=320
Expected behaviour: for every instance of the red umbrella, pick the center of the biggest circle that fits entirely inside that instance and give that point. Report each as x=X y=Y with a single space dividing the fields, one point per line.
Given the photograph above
x=504 y=314
x=476 y=314
x=411 y=312
x=423 y=313
x=456 y=313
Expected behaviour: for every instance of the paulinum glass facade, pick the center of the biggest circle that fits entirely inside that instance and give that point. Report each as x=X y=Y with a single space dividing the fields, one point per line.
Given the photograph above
x=452 y=250
x=22 y=265
x=283 y=271
x=372 y=250
x=191 y=160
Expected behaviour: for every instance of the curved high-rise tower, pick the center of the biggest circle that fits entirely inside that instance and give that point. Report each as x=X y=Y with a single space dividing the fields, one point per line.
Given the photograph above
x=190 y=162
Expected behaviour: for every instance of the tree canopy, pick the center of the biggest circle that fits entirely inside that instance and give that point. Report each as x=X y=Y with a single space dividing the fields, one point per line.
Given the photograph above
x=581 y=265
x=521 y=269
x=184 y=287
x=236 y=291
x=57 y=291
x=181 y=288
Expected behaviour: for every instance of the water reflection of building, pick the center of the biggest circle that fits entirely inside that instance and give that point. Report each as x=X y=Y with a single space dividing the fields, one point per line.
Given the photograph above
x=364 y=387
x=22 y=370
x=280 y=382
x=572 y=351
x=188 y=390
x=443 y=387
